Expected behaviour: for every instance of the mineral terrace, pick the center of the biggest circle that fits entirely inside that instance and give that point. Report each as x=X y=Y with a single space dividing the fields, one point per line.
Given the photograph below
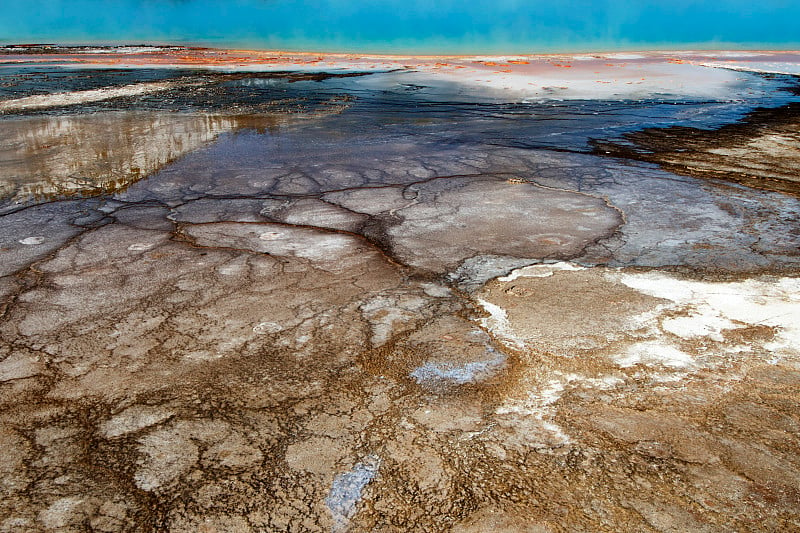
x=349 y=308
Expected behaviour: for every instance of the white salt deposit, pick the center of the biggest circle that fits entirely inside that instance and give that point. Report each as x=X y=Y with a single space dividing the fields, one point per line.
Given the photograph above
x=40 y=101
x=767 y=67
x=624 y=56
x=653 y=353
x=540 y=271
x=710 y=308
x=314 y=246
x=134 y=419
x=434 y=290
x=705 y=322
x=497 y=323
x=537 y=406
x=265 y=328
x=432 y=372
x=19 y=366
x=140 y=246
x=533 y=83
x=346 y=491
x=385 y=313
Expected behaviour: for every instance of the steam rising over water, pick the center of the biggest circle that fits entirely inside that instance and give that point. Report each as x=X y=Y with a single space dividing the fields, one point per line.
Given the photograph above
x=482 y=26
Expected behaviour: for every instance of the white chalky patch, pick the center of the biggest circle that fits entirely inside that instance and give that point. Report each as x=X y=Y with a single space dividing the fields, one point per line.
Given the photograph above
x=714 y=307
x=655 y=353
x=60 y=513
x=706 y=322
x=39 y=101
x=265 y=328
x=497 y=323
x=232 y=270
x=270 y=236
x=385 y=313
x=537 y=406
x=436 y=291
x=19 y=366
x=202 y=355
x=459 y=374
x=133 y=419
x=346 y=491
x=32 y=241
x=140 y=246
x=539 y=271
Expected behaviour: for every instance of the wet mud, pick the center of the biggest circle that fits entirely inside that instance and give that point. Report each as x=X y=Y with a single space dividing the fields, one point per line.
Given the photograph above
x=762 y=151
x=361 y=321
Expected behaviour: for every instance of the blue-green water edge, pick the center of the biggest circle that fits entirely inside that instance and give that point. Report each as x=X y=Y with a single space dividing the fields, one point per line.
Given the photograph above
x=410 y=26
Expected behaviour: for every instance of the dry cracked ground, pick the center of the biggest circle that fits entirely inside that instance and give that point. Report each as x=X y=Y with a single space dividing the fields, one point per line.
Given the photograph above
x=328 y=329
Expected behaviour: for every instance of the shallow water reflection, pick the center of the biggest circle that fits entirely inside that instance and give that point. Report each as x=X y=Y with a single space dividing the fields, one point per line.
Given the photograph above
x=42 y=157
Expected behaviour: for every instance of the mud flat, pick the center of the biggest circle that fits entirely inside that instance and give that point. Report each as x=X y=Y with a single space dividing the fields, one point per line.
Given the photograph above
x=370 y=308
x=763 y=151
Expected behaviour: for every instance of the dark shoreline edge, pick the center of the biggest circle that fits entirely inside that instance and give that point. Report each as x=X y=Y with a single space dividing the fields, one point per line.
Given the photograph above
x=761 y=151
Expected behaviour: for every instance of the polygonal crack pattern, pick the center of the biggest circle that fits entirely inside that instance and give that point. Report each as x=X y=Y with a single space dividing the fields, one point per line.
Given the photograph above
x=293 y=332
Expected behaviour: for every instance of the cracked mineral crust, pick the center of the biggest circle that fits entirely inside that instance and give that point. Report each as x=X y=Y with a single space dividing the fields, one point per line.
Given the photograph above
x=350 y=307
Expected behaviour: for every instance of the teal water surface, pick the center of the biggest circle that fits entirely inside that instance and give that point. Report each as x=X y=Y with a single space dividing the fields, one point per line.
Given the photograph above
x=418 y=26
